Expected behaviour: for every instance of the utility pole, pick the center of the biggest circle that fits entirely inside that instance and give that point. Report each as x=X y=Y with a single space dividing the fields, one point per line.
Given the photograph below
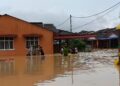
x=70 y=23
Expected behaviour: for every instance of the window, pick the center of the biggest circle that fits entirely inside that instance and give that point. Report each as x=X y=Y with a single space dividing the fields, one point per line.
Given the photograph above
x=31 y=41
x=6 y=43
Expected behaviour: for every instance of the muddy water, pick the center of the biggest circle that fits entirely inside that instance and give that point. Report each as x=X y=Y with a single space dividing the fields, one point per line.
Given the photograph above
x=58 y=71
x=25 y=71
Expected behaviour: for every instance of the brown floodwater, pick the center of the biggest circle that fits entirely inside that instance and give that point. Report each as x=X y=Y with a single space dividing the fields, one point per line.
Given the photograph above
x=58 y=71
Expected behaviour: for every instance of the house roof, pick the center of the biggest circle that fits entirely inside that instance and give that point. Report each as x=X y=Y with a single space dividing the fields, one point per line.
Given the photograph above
x=49 y=27
x=87 y=32
x=32 y=23
x=108 y=33
x=37 y=23
x=107 y=30
x=52 y=28
x=113 y=36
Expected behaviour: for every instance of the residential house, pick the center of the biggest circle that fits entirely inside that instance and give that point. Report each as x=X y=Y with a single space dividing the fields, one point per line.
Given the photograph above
x=17 y=35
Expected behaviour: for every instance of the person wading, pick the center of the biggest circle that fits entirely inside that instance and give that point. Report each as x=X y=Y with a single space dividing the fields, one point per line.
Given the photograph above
x=42 y=53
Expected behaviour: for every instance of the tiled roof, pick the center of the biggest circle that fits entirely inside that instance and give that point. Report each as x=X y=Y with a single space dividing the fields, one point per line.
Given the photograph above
x=37 y=23
x=52 y=28
x=105 y=33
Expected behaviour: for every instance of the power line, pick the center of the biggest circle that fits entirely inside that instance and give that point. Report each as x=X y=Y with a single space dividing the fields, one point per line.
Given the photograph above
x=89 y=16
x=99 y=12
x=63 y=22
x=84 y=24
x=94 y=19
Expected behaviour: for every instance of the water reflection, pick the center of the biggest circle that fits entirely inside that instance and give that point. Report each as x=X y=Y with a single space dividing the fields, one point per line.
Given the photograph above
x=75 y=70
x=34 y=65
x=55 y=71
x=71 y=63
x=62 y=64
x=24 y=71
x=7 y=66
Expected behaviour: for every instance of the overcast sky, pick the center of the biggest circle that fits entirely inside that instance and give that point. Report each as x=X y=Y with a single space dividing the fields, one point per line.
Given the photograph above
x=56 y=11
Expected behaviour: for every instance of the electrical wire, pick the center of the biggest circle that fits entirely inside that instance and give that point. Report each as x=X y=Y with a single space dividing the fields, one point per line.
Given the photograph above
x=99 y=12
x=88 y=17
x=63 y=22
x=94 y=19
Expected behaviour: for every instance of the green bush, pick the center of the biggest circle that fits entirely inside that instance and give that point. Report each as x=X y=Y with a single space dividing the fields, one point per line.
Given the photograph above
x=78 y=43
x=65 y=51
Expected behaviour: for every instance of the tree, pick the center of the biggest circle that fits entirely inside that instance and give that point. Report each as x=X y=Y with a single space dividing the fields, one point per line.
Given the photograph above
x=77 y=43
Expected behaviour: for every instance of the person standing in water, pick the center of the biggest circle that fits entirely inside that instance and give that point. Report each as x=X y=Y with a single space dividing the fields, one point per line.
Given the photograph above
x=41 y=53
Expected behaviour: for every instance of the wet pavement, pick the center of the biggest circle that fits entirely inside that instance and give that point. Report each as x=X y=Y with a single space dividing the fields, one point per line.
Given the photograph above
x=83 y=69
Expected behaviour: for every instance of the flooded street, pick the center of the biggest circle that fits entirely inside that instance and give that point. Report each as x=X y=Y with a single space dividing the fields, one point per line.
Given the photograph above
x=84 y=69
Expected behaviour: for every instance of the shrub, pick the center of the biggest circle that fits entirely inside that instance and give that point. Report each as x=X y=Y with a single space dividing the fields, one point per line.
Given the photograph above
x=78 y=43
x=65 y=51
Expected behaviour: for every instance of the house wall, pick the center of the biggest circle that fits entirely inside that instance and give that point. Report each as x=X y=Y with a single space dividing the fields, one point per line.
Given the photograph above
x=12 y=25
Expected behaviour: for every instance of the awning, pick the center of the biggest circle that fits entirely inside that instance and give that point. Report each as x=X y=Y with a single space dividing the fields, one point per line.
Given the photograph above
x=103 y=38
x=92 y=38
x=113 y=36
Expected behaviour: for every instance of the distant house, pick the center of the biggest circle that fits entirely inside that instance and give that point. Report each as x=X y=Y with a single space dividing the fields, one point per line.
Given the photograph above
x=17 y=35
x=106 y=38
